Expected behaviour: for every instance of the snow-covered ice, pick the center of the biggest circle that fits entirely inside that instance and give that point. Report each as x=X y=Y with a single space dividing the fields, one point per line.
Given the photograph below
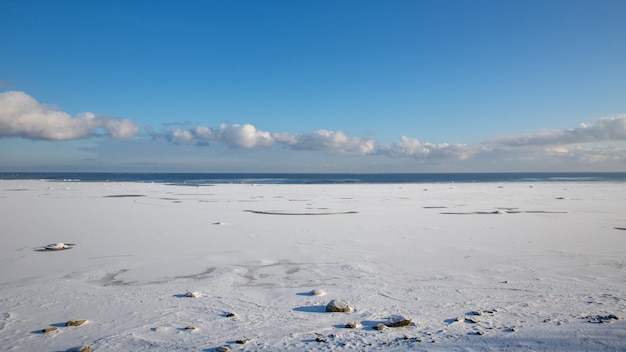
x=476 y=267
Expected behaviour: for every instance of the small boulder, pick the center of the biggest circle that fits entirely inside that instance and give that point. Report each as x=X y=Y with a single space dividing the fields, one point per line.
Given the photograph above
x=398 y=321
x=351 y=325
x=338 y=306
x=242 y=341
x=57 y=246
x=190 y=327
x=193 y=294
x=49 y=330
x=75 y=322
x=85 y=349
x=317 y=293
x=379 y=327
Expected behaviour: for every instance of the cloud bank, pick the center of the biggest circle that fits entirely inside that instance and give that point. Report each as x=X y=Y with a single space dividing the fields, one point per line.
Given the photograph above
x=22 y=116
x=247 y=136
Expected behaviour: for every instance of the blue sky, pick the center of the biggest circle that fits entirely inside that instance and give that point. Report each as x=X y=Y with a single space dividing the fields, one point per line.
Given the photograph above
x=313 y=86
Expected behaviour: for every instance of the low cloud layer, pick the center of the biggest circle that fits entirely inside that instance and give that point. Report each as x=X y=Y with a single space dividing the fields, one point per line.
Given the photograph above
x=572 y=144
x=247 y=136
x=22 y=116
x=605 y=129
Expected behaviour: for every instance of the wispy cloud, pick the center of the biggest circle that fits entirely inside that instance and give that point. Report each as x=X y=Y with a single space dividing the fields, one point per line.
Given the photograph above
x=588 y=154
x=605 y=129
x=22 y=116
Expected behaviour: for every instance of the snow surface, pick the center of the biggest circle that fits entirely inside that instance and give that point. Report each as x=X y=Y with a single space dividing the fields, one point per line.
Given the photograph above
x=475 y=267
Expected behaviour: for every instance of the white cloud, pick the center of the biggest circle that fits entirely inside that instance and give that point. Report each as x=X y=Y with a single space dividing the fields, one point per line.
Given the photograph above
x=605 y=129
x=206 y=133
x=180 y=136
x=242 y=136
x=247 y=136
x=411 y=147
x=328 y=140
x=22 y=116
x=118 y=128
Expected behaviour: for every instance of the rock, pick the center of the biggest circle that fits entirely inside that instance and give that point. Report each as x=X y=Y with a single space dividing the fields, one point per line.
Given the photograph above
x=48 y=330
x=472 y=320
x=190 y=327
x=321 y=339
x=57 y=246
x=412 y=339
x=379 y=327
x=317 y=293
x=230 y=315
x=338 y=306
x=75 y=322
x=602 y=318
x=85 y=349
x=351 y=325
x=242 y=342
x=222 y=349
x=193 y=294
x=475 y=312
x=398 y=321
